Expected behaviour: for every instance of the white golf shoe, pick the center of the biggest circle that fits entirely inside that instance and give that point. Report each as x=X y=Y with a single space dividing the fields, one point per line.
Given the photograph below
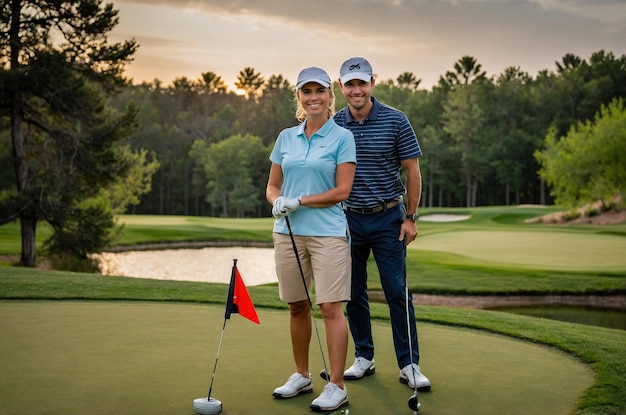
x=412 y=376
x=296 y=385
x=361 y=367
x=331 y=399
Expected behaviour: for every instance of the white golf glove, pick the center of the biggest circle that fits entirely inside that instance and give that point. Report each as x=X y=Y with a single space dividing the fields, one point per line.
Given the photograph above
x=293 y=203
x=278 y=208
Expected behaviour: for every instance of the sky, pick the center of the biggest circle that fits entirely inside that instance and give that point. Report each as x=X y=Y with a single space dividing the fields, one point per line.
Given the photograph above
x=426 y=37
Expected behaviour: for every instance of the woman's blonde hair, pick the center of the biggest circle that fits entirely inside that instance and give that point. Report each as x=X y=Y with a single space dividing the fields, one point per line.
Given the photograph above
x=301 y=112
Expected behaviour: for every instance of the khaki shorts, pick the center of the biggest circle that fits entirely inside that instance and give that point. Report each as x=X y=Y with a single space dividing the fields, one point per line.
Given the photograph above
x=324 y=259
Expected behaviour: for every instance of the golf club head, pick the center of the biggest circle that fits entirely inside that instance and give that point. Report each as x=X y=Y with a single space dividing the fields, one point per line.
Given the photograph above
x=207 y=406
x=414 y=404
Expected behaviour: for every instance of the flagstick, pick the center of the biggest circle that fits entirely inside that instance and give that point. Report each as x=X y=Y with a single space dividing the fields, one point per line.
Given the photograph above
x=219 y=347
x=216 y=359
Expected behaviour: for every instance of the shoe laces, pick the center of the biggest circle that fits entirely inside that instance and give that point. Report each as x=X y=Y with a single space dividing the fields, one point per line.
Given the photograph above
x=295 y=378
x=329 y=390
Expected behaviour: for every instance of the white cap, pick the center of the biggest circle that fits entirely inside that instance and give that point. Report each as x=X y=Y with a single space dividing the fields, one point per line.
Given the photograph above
x=356 y=68
x=313 y=74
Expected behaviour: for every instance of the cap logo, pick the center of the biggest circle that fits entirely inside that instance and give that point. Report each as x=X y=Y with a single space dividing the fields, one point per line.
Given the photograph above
x=355 y=66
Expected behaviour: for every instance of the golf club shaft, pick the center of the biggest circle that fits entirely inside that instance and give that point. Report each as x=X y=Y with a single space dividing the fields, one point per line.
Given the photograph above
x=413 y=400
x=408 y=329
x=295 y=251
x=408 y=317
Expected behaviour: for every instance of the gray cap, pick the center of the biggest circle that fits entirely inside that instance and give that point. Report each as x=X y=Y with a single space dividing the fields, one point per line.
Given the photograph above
x=313 y=74
x=356 y=68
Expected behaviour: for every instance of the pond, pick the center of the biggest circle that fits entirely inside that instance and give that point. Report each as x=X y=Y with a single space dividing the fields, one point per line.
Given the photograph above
x=594 y=316
x=256 y=265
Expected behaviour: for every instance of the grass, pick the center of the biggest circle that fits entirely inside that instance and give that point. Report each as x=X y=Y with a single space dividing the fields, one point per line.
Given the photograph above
x=442 y=271
x=156 y=357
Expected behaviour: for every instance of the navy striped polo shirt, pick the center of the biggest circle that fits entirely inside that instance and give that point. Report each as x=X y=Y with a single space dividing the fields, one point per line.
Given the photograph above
x=382 y=140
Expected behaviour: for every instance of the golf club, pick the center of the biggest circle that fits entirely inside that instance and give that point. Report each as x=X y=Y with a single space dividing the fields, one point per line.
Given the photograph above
x=414 y=404
x=295 y=251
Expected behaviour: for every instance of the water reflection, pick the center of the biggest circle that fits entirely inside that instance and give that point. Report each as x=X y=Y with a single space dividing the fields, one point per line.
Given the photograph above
x=593 y=316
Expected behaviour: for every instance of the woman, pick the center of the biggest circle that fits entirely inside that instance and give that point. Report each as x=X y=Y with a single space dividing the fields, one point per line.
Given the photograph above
x=312 y=171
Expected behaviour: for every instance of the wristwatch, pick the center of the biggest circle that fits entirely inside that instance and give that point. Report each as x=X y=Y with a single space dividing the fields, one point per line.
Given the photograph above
x=413 y=216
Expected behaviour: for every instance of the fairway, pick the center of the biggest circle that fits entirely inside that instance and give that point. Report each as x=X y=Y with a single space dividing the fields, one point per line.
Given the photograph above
x=197 y=221
x=133 y=357
x=543 y=250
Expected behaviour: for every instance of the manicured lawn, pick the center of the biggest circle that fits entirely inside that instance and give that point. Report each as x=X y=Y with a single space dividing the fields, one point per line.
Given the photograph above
x=563 y=251
x=125 y=358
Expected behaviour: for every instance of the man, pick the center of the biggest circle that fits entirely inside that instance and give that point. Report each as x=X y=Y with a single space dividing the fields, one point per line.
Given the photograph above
x=379 y=220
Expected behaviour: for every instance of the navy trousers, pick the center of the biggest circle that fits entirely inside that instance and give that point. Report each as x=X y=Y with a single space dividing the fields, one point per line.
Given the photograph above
x=378 y=233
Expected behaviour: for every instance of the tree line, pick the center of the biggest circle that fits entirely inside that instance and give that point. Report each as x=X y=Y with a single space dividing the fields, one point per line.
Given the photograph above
x=479 y=133
x=80 y=143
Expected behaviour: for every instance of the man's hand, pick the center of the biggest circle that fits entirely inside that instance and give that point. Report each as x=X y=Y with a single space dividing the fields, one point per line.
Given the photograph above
x=408 y=231
x=278 y=207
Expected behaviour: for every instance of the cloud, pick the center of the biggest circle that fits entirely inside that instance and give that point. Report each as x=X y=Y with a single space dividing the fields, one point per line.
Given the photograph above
x=611 y=12
x=425 y=37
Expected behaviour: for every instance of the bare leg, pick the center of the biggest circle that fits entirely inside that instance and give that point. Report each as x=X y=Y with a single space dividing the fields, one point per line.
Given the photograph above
x=300 y=329
x=336 y=340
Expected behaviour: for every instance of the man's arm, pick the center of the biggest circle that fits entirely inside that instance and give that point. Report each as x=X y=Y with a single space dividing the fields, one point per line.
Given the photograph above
x=411 y=167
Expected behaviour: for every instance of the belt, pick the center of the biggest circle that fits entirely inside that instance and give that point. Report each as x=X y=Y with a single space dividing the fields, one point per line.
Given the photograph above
x=380 y=208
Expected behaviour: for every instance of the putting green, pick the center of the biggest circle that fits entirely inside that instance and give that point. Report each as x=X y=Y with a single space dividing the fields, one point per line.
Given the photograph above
x=133 y=357
x=548 y=250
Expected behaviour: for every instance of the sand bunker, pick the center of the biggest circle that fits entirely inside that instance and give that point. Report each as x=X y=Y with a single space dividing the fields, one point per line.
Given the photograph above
x=443 y=218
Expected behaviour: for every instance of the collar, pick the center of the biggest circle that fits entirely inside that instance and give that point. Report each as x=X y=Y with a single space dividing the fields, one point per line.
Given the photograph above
x=373 y=115
x=328 y=125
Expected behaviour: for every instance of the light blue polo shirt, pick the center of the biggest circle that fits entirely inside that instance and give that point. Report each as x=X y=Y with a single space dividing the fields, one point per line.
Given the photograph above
x=309 y=167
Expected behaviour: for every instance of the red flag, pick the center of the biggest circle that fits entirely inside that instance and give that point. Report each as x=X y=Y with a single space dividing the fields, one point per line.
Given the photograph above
x=238 y=298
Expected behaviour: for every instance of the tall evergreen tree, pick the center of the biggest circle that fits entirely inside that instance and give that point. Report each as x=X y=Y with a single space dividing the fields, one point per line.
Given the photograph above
x=464 y=122
x=466 y=71
x=250 y=82
x=277 y=109
x=57 y=66
x=408 y=80
x=507 y=108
